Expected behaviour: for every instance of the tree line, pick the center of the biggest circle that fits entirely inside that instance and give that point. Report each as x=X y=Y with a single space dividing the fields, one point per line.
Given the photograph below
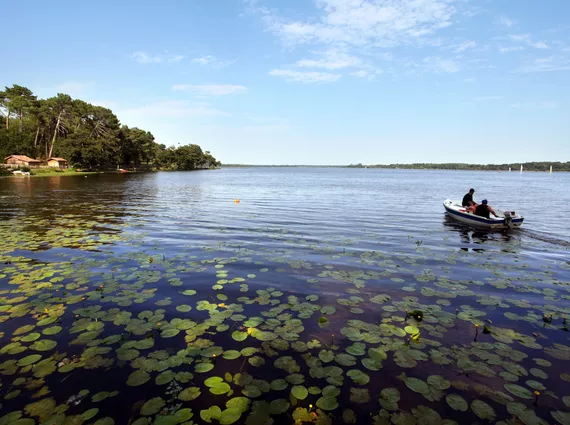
x=527 y=166
x=87 y=136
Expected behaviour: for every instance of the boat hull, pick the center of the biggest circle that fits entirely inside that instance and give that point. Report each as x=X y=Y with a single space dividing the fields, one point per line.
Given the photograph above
x=457 y=212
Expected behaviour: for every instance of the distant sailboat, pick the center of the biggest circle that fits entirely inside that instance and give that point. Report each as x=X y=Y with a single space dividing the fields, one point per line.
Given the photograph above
x=551 y=169
x=521 y=168
x=509 y=169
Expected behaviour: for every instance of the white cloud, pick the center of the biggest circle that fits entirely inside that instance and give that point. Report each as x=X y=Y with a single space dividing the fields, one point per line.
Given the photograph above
x=331 y=60
x=143 y=57
x=437 y=64
x=548 y=104
x=527 y=39
x=506 y=21
x=171 y=109
x=548 y=64
x=212 y=61
x=360 y=22
x=510 y=49
x=539 y=45
x=485 y=98
x=305 y=77
x=464 y=46
x=210 y=89
x=361 y=74
x=204 y=60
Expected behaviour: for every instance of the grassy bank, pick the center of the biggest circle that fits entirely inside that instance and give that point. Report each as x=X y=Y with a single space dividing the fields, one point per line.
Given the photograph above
x=47 y=173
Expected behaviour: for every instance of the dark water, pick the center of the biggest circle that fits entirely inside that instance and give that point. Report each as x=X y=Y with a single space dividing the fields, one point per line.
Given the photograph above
x=95 y=252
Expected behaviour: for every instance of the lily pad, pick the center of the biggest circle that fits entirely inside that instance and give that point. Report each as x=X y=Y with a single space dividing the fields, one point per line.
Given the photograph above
x=299 y=392
x=137 y=378
x=482 y=410
x=519 y=391
x=456 y=402
x=327 y=403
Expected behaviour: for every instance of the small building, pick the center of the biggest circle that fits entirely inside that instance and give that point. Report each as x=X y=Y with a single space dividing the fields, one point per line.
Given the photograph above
x=22 y=161
x=57 y=163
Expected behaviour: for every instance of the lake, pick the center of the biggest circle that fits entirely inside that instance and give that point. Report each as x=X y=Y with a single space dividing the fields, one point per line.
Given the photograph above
x=282 y=295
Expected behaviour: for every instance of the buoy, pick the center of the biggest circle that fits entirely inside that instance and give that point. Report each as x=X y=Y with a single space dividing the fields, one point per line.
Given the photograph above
x=236 y=201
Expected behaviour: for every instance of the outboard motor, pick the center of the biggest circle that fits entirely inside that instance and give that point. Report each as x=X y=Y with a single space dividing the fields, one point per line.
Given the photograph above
x=508 y=219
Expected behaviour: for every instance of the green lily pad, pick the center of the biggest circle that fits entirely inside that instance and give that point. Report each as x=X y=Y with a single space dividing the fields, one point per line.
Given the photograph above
x=184 y=415
x=438 y=382
x=231 y=354
x=327 y=403
x=89 y=414
x=519 y=391
x=100 y=396
x=240 y=403
x=28 y=360
x=417 y=385
x=229 y=416
x=43 y=345
x=358 y=376
x=239 y=336
x=482 y=410
x=326 y=356
x=299 y=392
x=137 y=378
x=456 y=402
x=203 y=367
x=279 y=406
x=278 y=384
x=52 y=330
x=189 y=394
x=30 y=337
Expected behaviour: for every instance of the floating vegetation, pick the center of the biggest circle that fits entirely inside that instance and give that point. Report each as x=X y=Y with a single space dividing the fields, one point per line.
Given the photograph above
x=101 y=325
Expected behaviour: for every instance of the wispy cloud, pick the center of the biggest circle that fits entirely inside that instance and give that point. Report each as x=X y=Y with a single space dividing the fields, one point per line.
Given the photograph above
x=143 y=57
x=146 y=58
x=486 y=98
x=506 y=21
x=510 y=49
x=548 y=104
x=305 y=77
x=330 y=60
x=173 y=109
x=527 y=39
x=210 y=89
x=385 y=23
x=437 y=64
x=464 y=46
x=548 y=64
x=212 y=61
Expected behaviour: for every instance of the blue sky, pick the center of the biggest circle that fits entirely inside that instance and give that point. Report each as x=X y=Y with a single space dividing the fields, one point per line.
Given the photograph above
x=311 y=81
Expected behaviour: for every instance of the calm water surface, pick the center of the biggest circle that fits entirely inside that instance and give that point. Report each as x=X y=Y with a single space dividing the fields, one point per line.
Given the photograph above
x=306 y=254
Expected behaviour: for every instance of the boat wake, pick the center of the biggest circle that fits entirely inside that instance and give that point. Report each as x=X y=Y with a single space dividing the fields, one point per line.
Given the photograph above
x=545 y=237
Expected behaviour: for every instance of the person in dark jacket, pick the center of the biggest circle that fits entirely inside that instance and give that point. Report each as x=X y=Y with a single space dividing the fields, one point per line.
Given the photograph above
x=485 y=210
x=468 y=199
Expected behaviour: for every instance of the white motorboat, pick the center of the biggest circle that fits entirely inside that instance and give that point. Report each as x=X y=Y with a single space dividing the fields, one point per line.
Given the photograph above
x=505 y=219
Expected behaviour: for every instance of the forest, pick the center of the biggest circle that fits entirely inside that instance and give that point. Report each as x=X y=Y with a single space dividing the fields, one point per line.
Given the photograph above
x=87 y=136
x=527 y=166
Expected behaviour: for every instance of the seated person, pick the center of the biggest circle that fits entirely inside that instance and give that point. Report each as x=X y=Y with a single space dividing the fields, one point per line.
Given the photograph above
x=468 y=201
x=484 y=210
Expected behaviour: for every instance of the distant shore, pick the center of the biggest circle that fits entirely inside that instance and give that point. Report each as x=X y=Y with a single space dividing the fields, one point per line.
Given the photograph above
x=514 y=167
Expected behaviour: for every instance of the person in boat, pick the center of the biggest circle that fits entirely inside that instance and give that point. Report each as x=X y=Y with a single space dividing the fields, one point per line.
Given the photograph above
x=468 y=202
x=484 y=210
